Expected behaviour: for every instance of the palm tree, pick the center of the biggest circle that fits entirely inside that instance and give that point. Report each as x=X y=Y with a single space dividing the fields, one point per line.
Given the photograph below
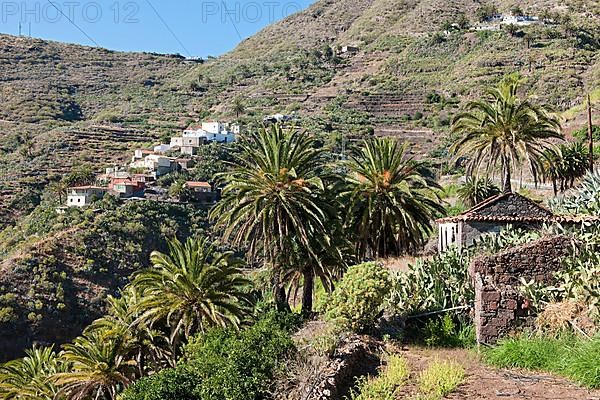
x=122 y=322
x=238 y=107
x=99 y=368
x=27 y=378
x=476 y=189
x=565 y=164
x=506 y=131
x=274 y=202
x=391 y=200
x=574 y=162
x=192 y=288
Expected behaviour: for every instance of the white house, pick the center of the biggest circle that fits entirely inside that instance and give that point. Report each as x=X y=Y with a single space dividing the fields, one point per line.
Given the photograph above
x=81 y=196
x=213 y=127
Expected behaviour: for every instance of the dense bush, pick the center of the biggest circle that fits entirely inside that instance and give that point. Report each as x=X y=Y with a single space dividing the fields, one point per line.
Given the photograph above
x=358 y=299
x=168 y=384
x=223 y=364
x=569 y=356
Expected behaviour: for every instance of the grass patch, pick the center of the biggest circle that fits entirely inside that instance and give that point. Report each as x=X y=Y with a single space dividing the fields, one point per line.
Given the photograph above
x=440 y=379
x=569 y=356
x=385 y=386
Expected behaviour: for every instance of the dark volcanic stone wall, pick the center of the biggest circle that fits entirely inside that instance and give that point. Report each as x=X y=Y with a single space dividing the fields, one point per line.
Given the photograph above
x=499 y=306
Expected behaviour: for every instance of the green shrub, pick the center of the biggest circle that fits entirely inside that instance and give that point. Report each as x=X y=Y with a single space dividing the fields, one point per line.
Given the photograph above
x=444 y=332
x=575 y=358
x=358 y=299
x=387 y=385
x=440 y=379
x=239 y=365
x=223 y=364
x=168 y=384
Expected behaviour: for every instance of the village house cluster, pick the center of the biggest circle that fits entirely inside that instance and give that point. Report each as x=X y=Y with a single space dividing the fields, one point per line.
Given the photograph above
x=138 y=179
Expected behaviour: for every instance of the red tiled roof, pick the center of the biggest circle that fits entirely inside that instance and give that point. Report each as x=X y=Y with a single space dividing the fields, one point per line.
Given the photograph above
x=198 y=184
x=544 y=214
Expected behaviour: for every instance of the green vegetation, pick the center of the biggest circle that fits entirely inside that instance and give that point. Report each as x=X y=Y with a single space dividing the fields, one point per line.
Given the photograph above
x=392 y=199
x=476 y=189
x=387 y=384
x=357 y=301
x=505 y=130
x=222 y=364
x=192 y=288
x=430 y=285
x=569 y=356
x=440 y=378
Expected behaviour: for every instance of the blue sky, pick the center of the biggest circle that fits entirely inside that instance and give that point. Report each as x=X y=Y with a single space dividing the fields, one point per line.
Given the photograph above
x=191 y=28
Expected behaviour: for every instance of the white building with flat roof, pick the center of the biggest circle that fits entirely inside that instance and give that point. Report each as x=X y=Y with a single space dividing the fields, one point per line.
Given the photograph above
x=81 y=196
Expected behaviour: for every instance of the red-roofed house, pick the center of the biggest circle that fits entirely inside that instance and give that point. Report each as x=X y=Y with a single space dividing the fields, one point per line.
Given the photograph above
x=202 y=191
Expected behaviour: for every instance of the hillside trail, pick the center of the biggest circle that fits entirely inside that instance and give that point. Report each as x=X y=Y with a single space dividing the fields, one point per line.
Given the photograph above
x=483 y=382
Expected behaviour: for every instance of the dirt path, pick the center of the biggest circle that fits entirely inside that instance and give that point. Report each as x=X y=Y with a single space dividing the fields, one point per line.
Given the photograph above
x=483 y=382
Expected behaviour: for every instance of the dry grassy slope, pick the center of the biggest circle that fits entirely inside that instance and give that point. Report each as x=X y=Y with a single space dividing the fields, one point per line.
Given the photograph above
x=399 y=64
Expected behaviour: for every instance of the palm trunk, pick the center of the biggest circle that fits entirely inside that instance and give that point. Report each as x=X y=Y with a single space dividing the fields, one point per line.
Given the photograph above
x=307 y=292
x=506 y=180
x=279 y=294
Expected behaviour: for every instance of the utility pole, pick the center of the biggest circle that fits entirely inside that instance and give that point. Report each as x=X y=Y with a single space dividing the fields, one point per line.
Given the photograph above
x=590 y=133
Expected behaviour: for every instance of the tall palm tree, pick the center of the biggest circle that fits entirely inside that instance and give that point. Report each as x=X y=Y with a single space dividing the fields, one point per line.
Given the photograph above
x=503 y=130
x=122 y=322
x=391 y=200
x=99 y=368
x=273 y=202
x=192 y=288
x=27 y=377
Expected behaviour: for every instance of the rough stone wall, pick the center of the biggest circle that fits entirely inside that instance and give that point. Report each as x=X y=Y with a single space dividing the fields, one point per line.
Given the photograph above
x=355 y=357
x=499 y=306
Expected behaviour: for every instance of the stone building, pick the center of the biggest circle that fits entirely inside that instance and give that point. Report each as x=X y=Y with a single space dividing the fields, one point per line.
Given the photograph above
x=500 y=307
x=491 y=216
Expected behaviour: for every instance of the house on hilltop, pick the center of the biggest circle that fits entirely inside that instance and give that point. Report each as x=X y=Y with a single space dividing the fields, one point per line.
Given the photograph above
x=126 y=188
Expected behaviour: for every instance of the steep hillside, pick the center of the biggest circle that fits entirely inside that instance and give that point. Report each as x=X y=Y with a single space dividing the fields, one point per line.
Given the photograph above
x=63 y=105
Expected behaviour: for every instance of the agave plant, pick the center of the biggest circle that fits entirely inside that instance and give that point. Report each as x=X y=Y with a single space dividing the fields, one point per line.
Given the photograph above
x=584 y=199
x=28 y=378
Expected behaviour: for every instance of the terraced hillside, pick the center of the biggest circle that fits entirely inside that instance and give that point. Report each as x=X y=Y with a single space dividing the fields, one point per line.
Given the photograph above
x=62 y=105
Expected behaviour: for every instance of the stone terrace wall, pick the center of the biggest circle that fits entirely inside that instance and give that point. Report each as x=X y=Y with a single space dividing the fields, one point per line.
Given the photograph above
x=499 y=306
